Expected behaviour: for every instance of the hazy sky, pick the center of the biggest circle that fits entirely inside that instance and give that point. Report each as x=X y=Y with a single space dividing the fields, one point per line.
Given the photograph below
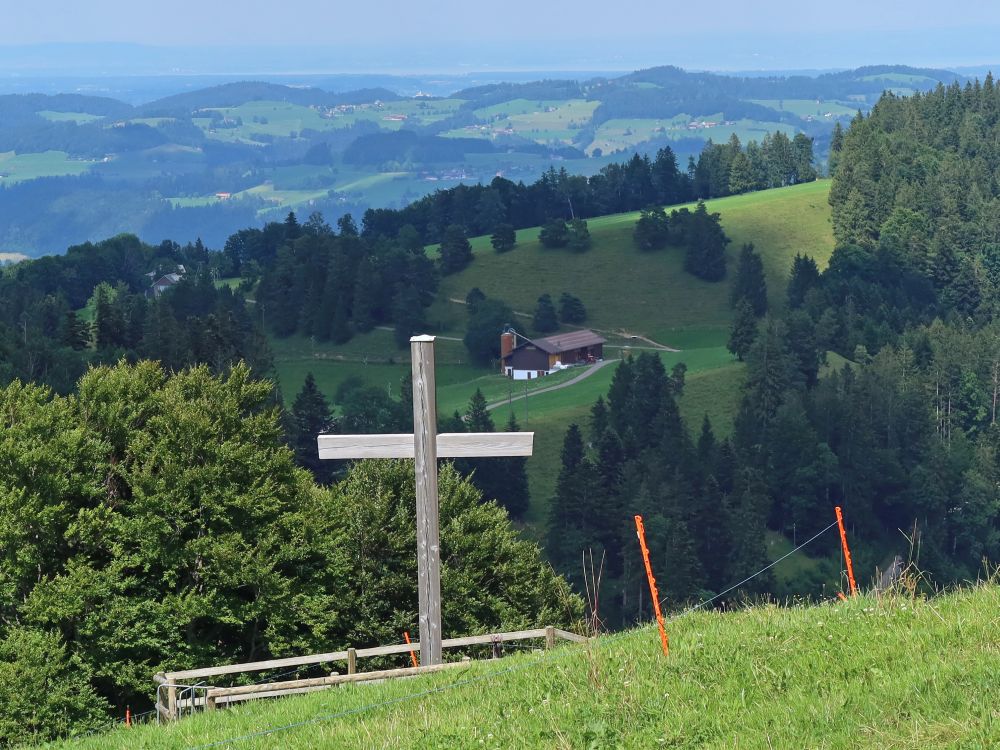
x=956 y=32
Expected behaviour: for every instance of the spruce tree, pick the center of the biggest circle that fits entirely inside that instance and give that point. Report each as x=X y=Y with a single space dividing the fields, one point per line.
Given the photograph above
x=749 y=283
x=571 y=309
x=705 y=256
x=804 y=276
x=477 y=417
x=76 y=332
x=516 y=496
x=744 y=330
x=504 y=238
x=545 y=319
x=310 y=416
x=456 y=252
x=747 y=529
x=367 y=287
x=407 y=315
x=572 y=525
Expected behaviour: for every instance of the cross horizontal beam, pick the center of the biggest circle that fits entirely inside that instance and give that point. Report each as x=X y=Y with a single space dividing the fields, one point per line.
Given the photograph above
x=449 y=445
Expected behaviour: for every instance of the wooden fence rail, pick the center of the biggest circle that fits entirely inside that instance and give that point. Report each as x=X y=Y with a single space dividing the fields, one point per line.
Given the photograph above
x=188 y=681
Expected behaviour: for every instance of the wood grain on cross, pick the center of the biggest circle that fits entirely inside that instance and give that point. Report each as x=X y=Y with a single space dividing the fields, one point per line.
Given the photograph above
x=425 y=446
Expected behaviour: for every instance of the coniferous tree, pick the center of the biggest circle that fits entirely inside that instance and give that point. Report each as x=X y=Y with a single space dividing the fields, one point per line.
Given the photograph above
x=571 y=309
x=749 y=283
x=747 y=529
x=516 y=496
x=367 y=288
x=651 y=231
x=744 y=330
x=407 y=315
x=804 y=276
x=474 y=299
x=705 y=256
x=456 y=252
x=545 y=319
x=836 y=146
x=504 y=238
x=554 y=234
x=309 y=417
x=76 y=332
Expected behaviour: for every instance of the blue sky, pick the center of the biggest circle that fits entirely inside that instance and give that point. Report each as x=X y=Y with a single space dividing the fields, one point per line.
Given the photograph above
x=773 y=33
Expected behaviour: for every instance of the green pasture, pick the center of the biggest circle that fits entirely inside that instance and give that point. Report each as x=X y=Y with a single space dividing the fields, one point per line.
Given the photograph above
x=632 y=292
x=623 y=135
x=808 y=107
x=153 y=122
x=282 y=119
x=16 y=167
x=542 y=121
x=620 y=134
x=78 y=117
x=877 y=671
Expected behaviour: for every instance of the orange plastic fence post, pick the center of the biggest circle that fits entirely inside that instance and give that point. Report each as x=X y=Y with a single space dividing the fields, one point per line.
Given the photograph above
x=847 y=552
x=413 y=654
x=128 y=716
x=640 y=531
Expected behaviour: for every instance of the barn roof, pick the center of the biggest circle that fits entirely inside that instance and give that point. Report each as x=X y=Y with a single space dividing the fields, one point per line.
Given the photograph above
x=565 y=342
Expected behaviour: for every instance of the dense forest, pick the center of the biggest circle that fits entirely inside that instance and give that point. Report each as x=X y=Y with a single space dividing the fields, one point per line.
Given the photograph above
x=904 y=435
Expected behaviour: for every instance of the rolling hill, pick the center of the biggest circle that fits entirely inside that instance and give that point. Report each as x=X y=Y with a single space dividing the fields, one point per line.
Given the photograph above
x=627 y=293
x=207 y=162
x=875 y=671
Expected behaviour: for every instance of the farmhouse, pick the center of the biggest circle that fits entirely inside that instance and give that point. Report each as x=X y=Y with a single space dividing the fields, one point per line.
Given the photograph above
x=524 y=359
x=162 y=282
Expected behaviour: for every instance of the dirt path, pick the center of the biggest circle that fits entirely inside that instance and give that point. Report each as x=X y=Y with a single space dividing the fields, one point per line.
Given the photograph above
x=572 y=381
x=620 y=333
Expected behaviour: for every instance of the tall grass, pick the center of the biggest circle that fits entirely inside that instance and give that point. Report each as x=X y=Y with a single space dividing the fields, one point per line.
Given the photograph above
x=879 y=671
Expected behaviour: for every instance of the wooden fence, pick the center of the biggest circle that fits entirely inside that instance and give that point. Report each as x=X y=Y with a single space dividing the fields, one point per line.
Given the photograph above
x=186 y=690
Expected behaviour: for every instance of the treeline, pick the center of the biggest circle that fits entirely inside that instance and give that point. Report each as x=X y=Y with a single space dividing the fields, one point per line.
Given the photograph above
x=731 y=169
x=627 y=186
x=154 y=522
x=318 y=282
x=61 y=313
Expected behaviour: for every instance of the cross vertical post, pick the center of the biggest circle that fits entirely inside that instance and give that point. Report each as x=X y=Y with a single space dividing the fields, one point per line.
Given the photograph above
x=425 y=446
x=425 y=466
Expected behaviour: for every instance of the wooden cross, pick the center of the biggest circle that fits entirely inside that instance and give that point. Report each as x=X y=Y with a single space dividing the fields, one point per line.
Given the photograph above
x=425 y=446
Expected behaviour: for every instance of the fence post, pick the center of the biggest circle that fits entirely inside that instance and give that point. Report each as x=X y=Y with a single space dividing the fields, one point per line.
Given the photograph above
x=550 y=637
x=352 y=661
x=172 y=714
x=209 y=701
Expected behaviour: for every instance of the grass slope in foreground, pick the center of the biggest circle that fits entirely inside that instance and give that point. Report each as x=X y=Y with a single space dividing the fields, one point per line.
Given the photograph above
x=888 y=672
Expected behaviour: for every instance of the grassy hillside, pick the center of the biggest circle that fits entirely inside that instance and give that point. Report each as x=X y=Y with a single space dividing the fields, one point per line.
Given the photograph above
x=625 y=289
x=626 y=292
x=874 y=672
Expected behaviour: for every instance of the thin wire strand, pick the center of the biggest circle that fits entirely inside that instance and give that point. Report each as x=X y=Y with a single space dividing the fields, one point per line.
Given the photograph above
x=547 y=658
x=759 y=572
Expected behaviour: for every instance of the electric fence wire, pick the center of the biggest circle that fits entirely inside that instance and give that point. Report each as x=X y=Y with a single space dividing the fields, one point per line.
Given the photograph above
x=547 y=658
x=763 y=570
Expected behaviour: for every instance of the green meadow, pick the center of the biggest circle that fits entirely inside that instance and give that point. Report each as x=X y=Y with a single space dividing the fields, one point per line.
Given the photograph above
x=16 y=167
x=627 y=293
x=877 y=671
